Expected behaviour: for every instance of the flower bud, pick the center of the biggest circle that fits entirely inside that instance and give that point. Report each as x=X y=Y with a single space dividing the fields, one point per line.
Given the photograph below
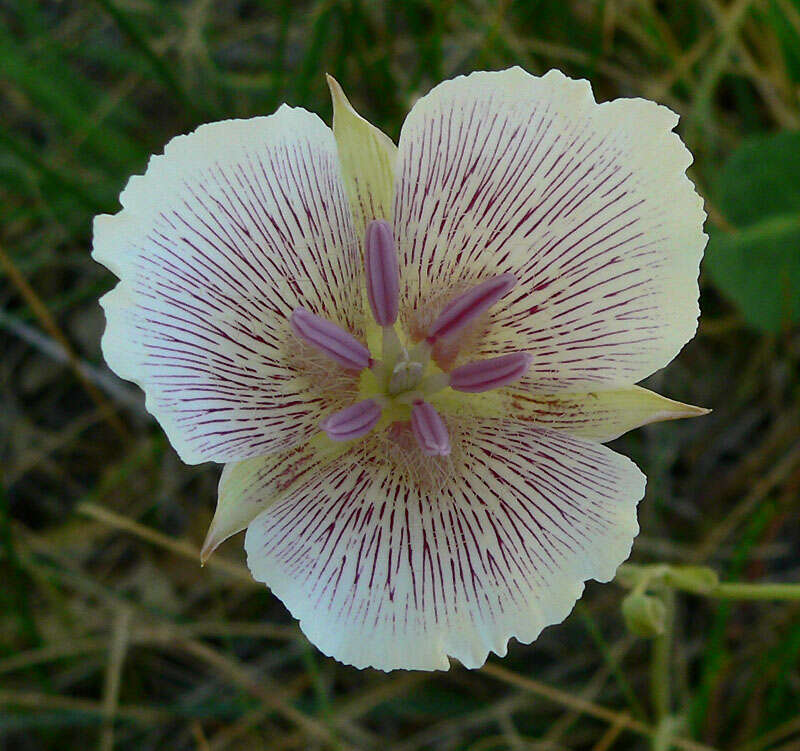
x=629 y=575
x=644 y=615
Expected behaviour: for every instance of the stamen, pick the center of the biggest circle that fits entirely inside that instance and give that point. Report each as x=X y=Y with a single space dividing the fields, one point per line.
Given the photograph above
x=329 y=338
x=467 y=307
x=383 y=279
x=352 y=422
x=429 y=430
x=483 y=375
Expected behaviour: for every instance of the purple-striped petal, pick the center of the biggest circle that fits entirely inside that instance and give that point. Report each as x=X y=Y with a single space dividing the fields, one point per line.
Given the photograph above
x=484 y=375
x=352 y=422
x=382 y=275
x=429 y=430
x=587 y=204
x=234 y=227
x=396 y=567
x=467 y=307
x=330 y=339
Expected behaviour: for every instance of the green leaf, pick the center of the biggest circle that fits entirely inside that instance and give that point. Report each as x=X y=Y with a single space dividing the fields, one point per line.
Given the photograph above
x=760 y=179
x=759 y=269
x=757 y=262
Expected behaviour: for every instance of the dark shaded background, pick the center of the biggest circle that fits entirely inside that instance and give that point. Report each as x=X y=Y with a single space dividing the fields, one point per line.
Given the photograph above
x=111 y=636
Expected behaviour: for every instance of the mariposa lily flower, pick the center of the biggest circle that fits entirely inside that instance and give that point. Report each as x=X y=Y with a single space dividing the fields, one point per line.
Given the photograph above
x=409 y=357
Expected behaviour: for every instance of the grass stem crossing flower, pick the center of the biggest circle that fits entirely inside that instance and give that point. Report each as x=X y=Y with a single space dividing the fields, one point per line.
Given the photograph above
x=409 y=357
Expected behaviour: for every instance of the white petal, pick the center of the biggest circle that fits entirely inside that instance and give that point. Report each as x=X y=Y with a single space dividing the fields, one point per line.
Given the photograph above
x=228 y=231
x=368 y=157
x=390 y=567
x=598 y=415
x=588 y=205
x=247 y=488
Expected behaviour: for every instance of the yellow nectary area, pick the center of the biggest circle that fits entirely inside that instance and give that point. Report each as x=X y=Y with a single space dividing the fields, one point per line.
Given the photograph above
x=448 y=403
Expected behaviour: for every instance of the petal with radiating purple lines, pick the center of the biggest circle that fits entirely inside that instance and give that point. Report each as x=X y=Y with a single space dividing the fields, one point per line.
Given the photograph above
x=484 y=375
x=230 y=230
x=521 y=238
x=330 y=339
x=587 y=204
x=382 y=274
x=352 y=422
x=430 y=430
x=468 y=306
x=390 y=572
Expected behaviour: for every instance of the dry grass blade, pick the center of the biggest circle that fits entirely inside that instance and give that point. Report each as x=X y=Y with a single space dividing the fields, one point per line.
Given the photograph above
x=49 y=324
x=144 y=635
x=584 y=706
x=777 y=474
x=40 y=701
x=261 y=688
x=178 y=547
x=609 y=738
x=120 y=638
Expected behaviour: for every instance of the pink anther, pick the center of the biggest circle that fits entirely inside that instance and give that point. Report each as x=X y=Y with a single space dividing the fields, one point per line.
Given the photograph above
x=352 y=422
x=330 y=339
x=484 y=375
x=429 y=430
x=467 y=307
x=383 y=278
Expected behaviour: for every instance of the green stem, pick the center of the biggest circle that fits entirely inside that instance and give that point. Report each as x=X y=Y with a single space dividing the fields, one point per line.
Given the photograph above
x=660 y=674
x=702 y=581
x=742 y=591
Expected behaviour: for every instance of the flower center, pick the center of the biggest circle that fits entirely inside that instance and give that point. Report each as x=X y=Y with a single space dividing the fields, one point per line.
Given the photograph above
x=405 y=379
x=405 y=376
